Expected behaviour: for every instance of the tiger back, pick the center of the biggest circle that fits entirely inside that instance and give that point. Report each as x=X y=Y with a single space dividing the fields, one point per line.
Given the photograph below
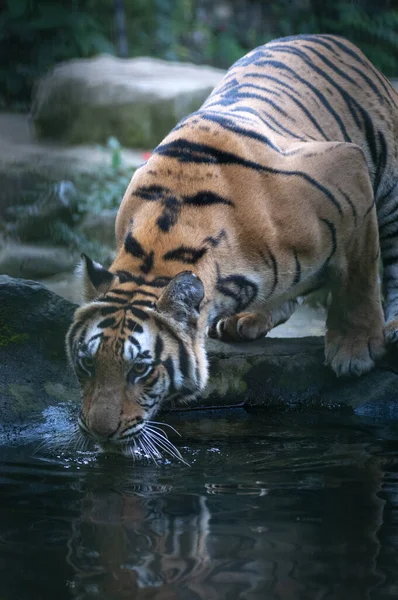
x=284 y=181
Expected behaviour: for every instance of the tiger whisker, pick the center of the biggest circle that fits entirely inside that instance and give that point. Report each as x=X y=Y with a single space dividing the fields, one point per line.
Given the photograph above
x=164 y=443
x=150 y=449
x=151 y=445
x=158 y=434
x=164 y=425
x=63 y=442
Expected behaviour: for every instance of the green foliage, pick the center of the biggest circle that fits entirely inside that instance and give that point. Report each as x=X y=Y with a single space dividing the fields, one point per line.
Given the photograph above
x=95 y=195
x=375 y=32
x=107 y=190
x=35 y=34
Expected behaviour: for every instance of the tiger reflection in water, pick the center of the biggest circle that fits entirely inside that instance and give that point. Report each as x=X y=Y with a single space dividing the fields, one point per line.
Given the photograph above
x=146 y=544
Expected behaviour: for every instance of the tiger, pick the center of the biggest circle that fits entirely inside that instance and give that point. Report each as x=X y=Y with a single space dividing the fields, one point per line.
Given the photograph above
x=285 y=181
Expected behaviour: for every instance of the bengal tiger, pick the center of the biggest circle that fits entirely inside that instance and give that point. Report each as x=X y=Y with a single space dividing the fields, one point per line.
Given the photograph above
x=278 y=185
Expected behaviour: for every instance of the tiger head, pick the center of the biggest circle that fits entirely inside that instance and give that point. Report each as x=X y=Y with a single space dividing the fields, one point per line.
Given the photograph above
x=132 y=347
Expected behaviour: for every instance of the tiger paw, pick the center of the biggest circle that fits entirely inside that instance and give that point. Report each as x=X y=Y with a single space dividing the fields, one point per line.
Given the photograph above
x=391 y=332
x=353 y=355
x=242 y=327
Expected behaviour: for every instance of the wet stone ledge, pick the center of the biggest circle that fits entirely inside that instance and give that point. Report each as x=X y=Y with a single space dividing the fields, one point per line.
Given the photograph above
x=271 y=374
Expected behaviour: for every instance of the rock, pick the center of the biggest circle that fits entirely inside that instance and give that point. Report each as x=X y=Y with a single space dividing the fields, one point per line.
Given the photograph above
x=33 y=373
x=27 y=164
x=136 y=100
x=100 y=227
x=268 y=374
x=66 y=285
x=34 y=261
x=394 y=83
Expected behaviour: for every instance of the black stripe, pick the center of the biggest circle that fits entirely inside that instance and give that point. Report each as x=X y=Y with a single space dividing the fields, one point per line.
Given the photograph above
x=333 y=66
x=281 y=66
x=275 y=79
x=147 y=405
x=72 y=333
x=382 y=161
x=144 y=293
x=332 y=230
x=349 y=202
x=275 y=273
x=133 y=247
x=307 y=114
x=159 y=347
x=315 y=40
x=109 y=322
x=134 y=326
x=391 y=233
x=134 y=341
x=151 y=192
x=147 y=265
x=137 y=312
x=186 y=151
x=110 y=298
x=152 y=383
x=391 y=260
x=239 y=86
x=124 y=276
x=297 y=275
x=238 y=287
x=215 y=241
x=237 y=97
x=267 y=120
x=382 y=206
x=157 y=282
x=109 y=310
x=169 y=366
x=184 y=361
x=350 y=102
x=367 y=64
x=147 y=303
x=230 y=125
x=186 y=255
x=122 y=293
x=206 y=198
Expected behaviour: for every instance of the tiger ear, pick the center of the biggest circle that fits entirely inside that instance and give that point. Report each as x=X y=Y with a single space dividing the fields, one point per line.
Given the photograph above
x=182 y=297
x=95 y=278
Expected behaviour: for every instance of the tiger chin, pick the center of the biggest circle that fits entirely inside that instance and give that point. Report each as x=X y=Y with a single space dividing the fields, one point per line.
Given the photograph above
x=285 y=181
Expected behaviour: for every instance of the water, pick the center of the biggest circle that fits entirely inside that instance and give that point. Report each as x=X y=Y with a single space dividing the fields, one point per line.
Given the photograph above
x=272 y=507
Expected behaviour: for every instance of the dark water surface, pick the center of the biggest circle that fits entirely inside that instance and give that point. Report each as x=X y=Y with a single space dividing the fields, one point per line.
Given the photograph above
x=289 y=508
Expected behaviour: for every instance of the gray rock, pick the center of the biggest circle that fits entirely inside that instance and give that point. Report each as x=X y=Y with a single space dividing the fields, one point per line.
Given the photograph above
x=100 y=227
x=270 y=374
x=35 y=261
x=28 y=164
x=136 y=100
x=33 y=373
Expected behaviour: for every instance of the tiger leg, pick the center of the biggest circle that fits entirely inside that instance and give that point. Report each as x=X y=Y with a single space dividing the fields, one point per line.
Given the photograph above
x=248 y=326
x=355 y=336
x=388 y=232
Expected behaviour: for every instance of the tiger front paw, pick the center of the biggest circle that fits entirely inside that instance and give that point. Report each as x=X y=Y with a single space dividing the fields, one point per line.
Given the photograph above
x=353 y=355
x=242 y=327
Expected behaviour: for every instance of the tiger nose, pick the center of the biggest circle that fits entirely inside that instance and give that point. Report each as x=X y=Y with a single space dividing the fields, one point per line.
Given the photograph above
x=102 y=423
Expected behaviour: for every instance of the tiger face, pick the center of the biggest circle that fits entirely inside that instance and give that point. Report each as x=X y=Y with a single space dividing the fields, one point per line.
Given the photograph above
x=131 y=351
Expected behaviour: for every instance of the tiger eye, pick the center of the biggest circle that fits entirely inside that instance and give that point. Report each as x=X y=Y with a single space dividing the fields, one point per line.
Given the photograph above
x=87 y=362
x=139 y=368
